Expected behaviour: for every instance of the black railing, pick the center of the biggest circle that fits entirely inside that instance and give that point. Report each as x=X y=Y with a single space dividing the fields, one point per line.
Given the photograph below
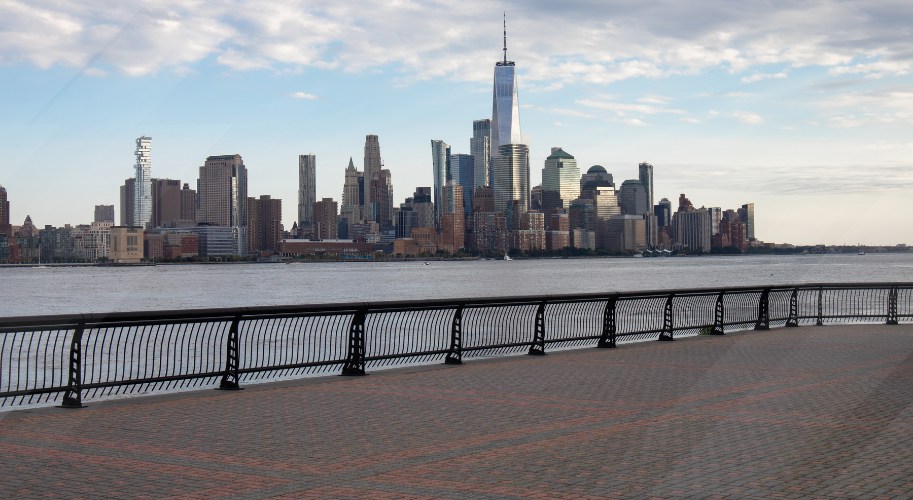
x=71 y=358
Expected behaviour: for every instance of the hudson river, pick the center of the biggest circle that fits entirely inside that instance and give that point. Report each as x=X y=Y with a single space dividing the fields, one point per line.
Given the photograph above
x=30 y=291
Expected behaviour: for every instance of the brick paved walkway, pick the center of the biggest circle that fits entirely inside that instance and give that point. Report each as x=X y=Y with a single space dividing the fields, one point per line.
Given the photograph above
x=808 y=412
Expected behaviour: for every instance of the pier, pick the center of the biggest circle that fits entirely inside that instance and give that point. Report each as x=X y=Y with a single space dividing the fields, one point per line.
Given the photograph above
x=789 y=412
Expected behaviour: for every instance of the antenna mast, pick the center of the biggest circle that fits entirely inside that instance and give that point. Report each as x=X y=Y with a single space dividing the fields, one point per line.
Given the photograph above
x=505 y=38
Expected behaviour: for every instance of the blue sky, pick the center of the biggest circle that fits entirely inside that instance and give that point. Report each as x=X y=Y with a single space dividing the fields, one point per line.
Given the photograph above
x=804 y=108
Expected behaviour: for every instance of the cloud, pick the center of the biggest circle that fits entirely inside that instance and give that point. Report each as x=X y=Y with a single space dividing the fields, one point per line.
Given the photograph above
x=303 y=95
x=748 y=118
x=757 y=77
x=600 y=43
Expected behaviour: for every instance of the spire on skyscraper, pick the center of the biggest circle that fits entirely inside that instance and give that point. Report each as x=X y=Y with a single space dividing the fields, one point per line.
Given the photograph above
x=505 y=37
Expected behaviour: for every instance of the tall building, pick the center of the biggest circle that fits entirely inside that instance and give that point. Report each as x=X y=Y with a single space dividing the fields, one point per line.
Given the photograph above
x=166 y=202
x=510 y=185
x=505 y=111
x=663 y=211
x=595 y=176
x=5 y=227
x=462 y=171
x=222 y=191
x=264 y=224
x=142 y=189
x=632 y=197
x=560 y=181
x=382 y=187
x=716 y=215
x=127 y=204
x=480 y=149
x=691 y=229
x=307 y=191
x=440 y=165
x=746 y=213
x=188 y=204
x=103 y=213
x=352 y=195
x=325 y=212
x=645 y=171
x=373 y=164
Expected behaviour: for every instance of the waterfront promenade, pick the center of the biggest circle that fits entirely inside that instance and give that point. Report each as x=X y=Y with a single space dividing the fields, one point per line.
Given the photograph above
x=792 y=412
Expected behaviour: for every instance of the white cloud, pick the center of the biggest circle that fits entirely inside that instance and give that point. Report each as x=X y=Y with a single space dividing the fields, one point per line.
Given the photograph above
x=599 y=43
x=757 y=77
x=748 y=117
x=303 y=95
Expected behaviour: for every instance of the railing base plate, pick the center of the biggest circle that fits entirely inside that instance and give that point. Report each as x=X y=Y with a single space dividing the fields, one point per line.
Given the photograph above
x=605 y=345
x=665 y=338
x=352 y=372
x=452 y=361
x=71 y=403
x=535 y=351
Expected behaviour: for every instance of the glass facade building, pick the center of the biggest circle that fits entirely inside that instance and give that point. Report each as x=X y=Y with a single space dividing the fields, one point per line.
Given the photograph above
x=560 y=181
x=480 y=149
x=142 y=188
x=440 y=163
x=307 y=190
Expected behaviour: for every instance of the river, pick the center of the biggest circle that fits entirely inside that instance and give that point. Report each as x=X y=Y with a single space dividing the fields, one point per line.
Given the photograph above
x=57 y=290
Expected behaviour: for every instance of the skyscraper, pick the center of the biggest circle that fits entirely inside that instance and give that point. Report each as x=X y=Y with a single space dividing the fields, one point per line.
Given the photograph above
x=307 y=191
x=325 y=219
x=373 y=164
x=510 y=158
x=352 y=197
x=645 y=171
x=166 y=202
x=440 y=164
x=142 y=189
x=264 y=224
x=560 y=181
x=505 y=111
x=462 y=171
x=222 y=192
x=127 y=204
x=103 y=213
x=632 y=197
x=747 y=215
x=4 y=213
x=510 y=185
x=480 y=149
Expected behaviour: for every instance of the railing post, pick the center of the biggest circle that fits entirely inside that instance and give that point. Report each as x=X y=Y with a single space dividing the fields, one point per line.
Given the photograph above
x=666 y=334
x=763 y=322
x=355 y=361
x=607 y=340
x=455 y=355
x=719 y=316
x=538 y=347
x=793 y=320
x=231 y=379
x=892 y=306
x=820 y=320
x=72 y=397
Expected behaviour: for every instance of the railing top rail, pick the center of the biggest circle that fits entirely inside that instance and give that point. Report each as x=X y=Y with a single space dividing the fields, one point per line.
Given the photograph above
x=228 y=313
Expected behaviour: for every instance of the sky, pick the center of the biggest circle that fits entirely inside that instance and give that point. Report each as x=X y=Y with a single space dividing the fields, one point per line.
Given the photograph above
x=804 y=108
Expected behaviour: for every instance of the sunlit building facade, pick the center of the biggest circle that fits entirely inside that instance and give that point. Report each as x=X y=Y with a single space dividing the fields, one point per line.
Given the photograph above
x=142 y=194
x=560 y=181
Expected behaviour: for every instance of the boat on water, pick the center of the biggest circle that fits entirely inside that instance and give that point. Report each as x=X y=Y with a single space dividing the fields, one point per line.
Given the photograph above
x=507 y=257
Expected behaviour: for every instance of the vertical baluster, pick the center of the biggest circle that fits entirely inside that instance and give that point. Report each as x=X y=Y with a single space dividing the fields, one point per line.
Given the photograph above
x=607 y=340
x=793 y=320
x=230 y=378
x=763 y=322
x=538 y=347
x=455 y=354
x=666 y=335
x=355 y=361
x=72 y=398
x=719 y=315
x=892 y=306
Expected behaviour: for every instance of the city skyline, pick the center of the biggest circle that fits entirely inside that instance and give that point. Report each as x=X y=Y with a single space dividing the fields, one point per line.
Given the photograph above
x=801 y=122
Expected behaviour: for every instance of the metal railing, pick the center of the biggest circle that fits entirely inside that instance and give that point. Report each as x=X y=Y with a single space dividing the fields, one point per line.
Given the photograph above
x=71 y=358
